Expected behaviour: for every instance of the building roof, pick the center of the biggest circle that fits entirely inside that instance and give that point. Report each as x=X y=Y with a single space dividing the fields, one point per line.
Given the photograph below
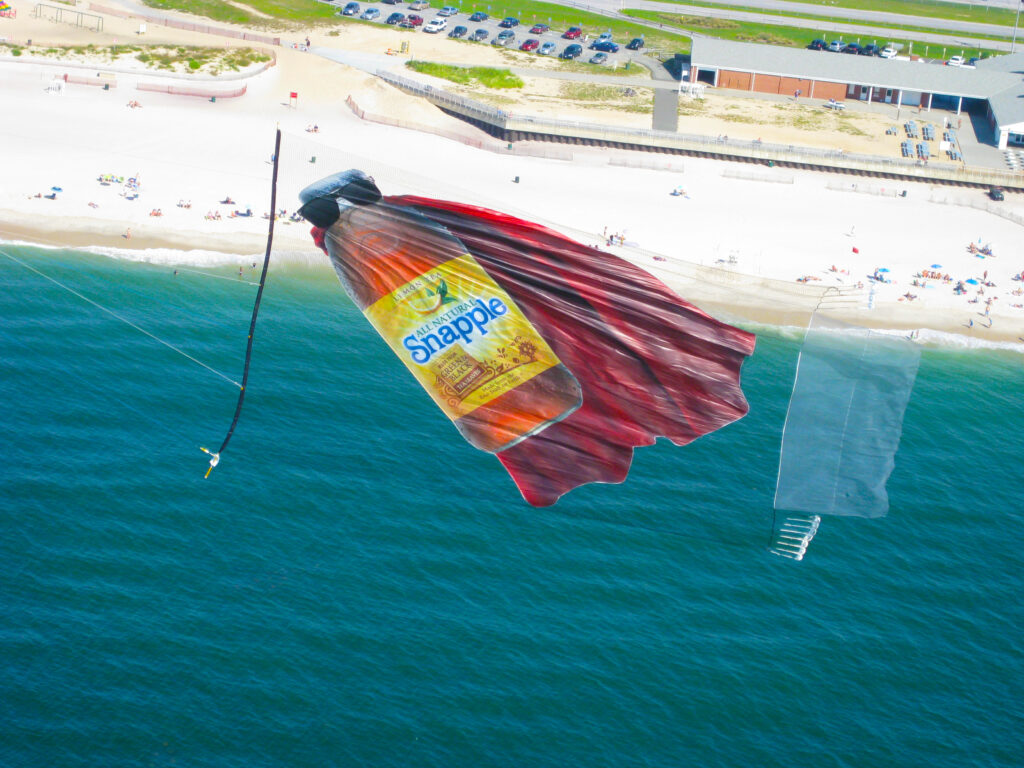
x=1011 y=62
x=977 y=83
x=1007 y=105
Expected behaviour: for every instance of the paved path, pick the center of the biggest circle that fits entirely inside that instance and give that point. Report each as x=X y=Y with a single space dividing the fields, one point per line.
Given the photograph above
x=586 y=77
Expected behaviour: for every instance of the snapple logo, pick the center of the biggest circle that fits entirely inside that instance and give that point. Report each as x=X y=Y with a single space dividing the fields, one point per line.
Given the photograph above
x=424 y=345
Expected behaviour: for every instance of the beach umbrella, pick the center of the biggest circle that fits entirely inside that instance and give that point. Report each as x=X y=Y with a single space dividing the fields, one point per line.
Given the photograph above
x=883 y=269
x=56 y=189
x=936 y=266
x=972 y=281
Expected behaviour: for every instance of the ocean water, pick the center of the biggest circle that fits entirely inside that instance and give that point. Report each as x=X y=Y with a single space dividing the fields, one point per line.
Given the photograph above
x=356 y=586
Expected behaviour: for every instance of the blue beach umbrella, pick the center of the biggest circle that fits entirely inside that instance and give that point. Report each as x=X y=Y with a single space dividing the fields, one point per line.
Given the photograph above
x=936 y=266
x=972 y=281
x=883 y=269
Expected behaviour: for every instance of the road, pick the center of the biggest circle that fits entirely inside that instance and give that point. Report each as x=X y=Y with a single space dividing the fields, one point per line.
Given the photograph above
x=850 y=30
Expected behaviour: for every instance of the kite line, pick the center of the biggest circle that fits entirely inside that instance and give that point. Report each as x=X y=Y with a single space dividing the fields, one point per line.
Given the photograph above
x=215 y=455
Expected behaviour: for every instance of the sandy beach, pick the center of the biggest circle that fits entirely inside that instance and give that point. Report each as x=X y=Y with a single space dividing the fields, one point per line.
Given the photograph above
x=737 y=239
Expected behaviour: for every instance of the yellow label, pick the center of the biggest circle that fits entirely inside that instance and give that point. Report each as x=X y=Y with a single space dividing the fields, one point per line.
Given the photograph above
x=461 y=335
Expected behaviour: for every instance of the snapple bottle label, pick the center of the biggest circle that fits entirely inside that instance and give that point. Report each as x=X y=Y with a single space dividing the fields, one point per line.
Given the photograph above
x=459 y=333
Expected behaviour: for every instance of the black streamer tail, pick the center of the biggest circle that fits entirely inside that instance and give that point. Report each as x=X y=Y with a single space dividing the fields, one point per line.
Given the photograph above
x=255 y=309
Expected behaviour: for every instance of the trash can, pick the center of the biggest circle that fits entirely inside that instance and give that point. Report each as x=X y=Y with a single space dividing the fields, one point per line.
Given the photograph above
x=106 y=86
x=515 y=180
x=213 y=99
x=312 y=159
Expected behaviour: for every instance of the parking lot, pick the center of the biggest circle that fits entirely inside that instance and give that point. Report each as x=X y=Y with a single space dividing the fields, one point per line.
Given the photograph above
x=515 y=34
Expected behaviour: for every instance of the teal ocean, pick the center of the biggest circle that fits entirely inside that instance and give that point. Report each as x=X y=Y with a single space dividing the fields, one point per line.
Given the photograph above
x=356 y=586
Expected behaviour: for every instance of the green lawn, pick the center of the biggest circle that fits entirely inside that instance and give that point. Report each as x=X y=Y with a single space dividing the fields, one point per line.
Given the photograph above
x=489 y=77
x=826 y=22
x=278 y=10
x=792 y=37
x=933 y=9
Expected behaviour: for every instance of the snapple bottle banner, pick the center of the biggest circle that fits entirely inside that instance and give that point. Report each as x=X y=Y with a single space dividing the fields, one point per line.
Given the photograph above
x=459 y=333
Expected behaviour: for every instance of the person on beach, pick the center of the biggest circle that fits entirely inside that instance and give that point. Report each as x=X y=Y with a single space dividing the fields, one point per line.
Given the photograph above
x=128 y=234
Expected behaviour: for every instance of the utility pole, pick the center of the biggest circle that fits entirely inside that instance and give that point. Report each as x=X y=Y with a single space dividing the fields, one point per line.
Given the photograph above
x=1013 y=42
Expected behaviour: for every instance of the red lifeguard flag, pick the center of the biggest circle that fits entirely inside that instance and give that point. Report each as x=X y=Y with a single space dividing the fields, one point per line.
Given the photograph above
x=649 y=364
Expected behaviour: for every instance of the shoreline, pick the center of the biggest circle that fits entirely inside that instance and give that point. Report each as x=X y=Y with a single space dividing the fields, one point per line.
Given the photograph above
x=933 y=327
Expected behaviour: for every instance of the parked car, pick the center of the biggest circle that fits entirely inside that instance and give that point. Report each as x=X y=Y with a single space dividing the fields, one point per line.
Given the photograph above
x=547 y=49
x=505 y=37
x=604 y=36
x=956 y=61
x=419 y=5
x=817 y=45
x=836 y=46
x=370 y=14
x=394 y=18
x=605 y=45
x=572 y=33
x=996 y=193
x=852 y=48
x=459 y=31
x=571 y=52
x=599 y=58
x=508 y=22
x=480 y=35
x=391 y=2
x=530 y=44
x=479 y=16
x=635 y=44
x=436 y=25
x=539 y=29
x=448 y=10
x=351 y=9
x=888 y=52
x=869 y=50
x=411 y=21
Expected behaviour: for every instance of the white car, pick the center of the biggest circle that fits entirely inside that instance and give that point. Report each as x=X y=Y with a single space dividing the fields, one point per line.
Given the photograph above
x=956 y=61
x=888 y=52
x=435 y=25
x=448 y=10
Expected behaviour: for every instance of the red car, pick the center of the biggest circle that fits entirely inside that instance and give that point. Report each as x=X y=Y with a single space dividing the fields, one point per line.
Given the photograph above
x=572 y=33
x=539 y=29
x=530 y=45
x=411 y=21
